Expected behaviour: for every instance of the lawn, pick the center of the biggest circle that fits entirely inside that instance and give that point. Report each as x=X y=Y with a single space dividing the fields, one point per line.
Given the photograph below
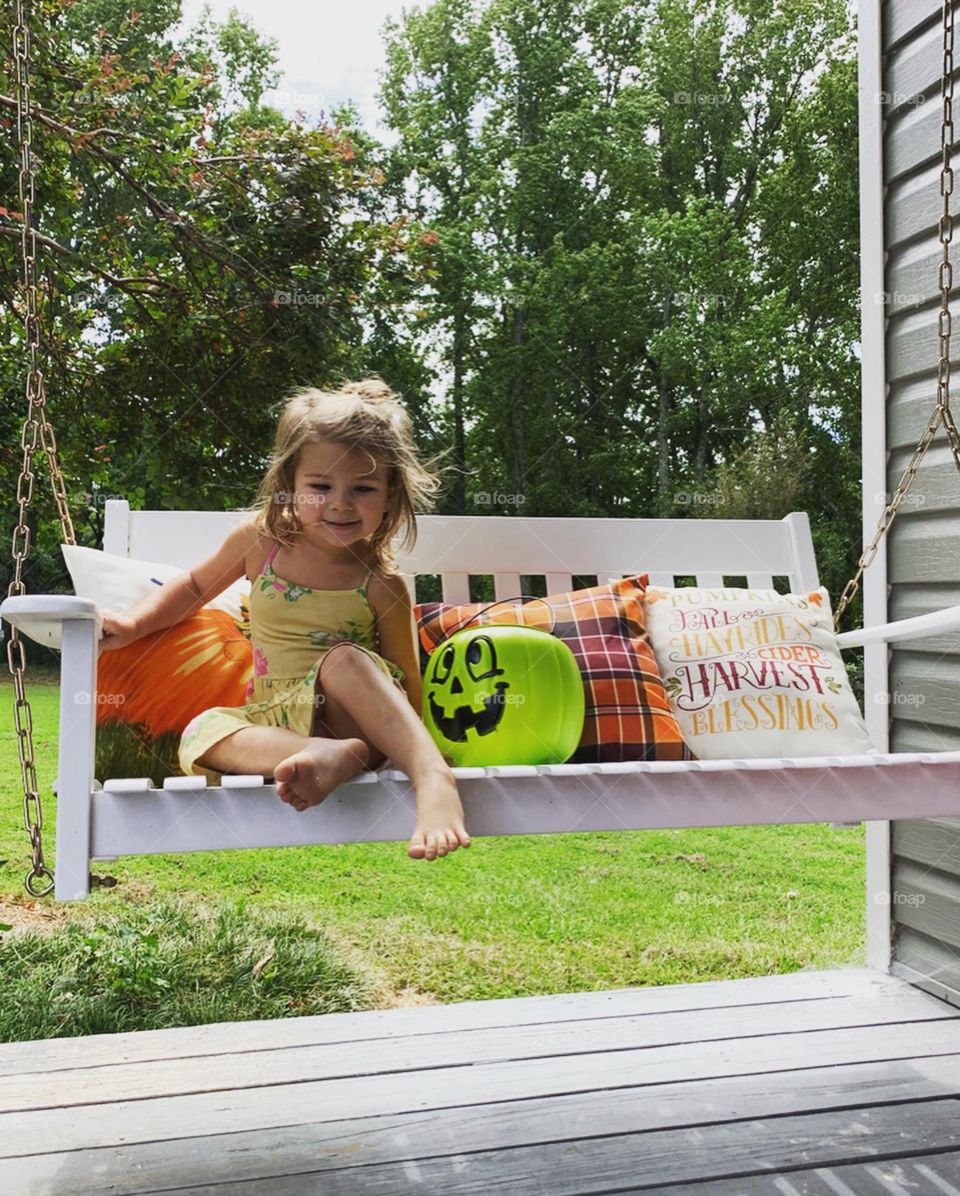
x=215 y=936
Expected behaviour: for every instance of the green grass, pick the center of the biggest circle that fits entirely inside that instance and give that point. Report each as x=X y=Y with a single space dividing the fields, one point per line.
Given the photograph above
x=171 y=964
x=366 y=925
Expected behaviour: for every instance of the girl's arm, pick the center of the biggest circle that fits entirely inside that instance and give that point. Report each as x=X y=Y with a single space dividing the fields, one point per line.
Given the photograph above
x=184 y=594
x=397 y=632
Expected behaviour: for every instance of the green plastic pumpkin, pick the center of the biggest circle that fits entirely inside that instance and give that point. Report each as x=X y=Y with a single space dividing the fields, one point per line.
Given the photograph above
x=503 y=695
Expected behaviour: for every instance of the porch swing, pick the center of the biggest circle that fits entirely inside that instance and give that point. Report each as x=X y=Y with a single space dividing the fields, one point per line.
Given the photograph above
x=131 y=816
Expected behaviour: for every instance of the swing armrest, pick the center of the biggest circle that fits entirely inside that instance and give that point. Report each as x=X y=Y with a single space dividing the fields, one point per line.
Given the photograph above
x=934 y=623
x=41 y=616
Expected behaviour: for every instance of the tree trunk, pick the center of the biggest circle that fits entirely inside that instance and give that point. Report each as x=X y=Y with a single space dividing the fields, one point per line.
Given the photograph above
x=459 y=436
x=664 y=504
x=517 y=463
x=703 y=423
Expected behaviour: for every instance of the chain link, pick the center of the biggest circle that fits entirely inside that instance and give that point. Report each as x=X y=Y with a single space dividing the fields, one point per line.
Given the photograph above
x=35 y=423
x=941 y=412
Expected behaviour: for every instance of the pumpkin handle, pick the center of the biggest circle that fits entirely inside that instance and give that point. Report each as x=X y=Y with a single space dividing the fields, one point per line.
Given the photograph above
x=520 y=597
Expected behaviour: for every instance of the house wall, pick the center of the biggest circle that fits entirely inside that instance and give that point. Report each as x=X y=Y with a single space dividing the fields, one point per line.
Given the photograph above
x=923 y=554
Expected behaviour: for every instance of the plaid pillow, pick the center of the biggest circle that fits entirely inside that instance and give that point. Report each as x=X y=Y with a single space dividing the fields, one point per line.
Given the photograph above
x=627 y=714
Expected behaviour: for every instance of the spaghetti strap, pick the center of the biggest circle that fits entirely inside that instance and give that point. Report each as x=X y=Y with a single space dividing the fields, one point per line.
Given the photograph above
x=268 y=566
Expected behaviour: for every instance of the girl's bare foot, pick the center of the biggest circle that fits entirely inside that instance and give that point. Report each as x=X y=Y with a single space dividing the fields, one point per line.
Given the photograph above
x=305 y=778
x=440 y=826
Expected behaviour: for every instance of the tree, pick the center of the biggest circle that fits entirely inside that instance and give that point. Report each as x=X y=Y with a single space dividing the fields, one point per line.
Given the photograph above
x=202 y=254
x=646 y=215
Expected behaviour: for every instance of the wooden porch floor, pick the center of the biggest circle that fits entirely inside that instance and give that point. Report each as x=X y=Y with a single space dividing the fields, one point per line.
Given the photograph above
x=840 y=1082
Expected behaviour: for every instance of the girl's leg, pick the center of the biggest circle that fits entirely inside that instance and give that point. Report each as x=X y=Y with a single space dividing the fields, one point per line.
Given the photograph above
x=261 y=749
x=338 y=723
x=352 y=682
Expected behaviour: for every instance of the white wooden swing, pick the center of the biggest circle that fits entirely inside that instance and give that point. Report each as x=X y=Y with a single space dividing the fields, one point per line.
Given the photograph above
x=124 y=816
x=132 y=816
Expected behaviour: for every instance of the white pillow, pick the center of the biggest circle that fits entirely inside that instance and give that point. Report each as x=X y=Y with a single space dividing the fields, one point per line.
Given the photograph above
x=116 y=582
x=754 y=673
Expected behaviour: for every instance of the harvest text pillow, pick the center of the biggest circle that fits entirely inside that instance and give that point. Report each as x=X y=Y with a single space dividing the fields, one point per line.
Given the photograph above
x=627 y=714
x=754 y=673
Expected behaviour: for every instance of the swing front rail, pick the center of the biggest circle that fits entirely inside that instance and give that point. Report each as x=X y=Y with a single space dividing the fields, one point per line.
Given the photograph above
x=133 y=816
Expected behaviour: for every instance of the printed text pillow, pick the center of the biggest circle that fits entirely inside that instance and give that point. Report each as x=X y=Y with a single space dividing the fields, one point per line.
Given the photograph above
x=627 y=714
x=754 y=673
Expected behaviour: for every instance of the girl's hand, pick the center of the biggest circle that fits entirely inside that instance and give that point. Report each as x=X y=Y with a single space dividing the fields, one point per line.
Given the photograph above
x=118 y=630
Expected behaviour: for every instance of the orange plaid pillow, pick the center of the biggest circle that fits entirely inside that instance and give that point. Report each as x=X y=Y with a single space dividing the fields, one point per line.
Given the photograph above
x=627 y=715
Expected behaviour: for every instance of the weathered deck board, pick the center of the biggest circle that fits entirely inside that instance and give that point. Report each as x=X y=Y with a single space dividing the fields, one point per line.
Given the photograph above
x=78 y=1127
x=925 y=1175
x=383 y=1056
x=574 y=1166
x=693 y=1088
x=328 y=1146
x=230 y=1037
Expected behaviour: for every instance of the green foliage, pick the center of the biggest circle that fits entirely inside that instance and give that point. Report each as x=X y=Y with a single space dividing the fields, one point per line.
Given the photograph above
x=248 y=61
x=642 y=220
x=204 y=256
x=611 y=254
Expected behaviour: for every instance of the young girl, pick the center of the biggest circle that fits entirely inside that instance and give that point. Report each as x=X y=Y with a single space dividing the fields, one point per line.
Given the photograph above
x=336 y=686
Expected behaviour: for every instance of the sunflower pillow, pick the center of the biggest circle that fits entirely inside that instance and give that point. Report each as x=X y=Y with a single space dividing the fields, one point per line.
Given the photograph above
x=754 y=673
x=149 y=690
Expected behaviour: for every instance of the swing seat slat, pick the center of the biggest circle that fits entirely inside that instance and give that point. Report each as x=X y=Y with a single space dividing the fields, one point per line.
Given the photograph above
x=552 y=799
x=139 y=816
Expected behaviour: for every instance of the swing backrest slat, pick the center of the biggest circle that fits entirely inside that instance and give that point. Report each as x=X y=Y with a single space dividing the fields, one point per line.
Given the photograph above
x=564 y=551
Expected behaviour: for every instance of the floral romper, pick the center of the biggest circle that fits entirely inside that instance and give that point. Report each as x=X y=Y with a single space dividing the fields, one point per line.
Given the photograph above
x=291 y=628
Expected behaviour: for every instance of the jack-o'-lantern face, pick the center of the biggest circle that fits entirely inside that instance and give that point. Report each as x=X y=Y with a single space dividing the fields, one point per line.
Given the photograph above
x=463 y=690
x=503 y=695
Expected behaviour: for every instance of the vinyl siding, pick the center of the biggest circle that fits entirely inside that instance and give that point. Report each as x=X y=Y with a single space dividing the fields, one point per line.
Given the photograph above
x=924 y=550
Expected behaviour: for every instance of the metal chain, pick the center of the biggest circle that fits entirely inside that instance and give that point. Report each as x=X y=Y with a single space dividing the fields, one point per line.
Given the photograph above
x=36 y=420
x=941 y=412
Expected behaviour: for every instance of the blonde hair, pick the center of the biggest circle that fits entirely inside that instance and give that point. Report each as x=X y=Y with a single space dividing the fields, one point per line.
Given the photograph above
x=366 y=416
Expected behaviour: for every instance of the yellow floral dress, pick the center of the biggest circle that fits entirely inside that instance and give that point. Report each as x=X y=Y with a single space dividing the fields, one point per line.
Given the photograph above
x=292 y=628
